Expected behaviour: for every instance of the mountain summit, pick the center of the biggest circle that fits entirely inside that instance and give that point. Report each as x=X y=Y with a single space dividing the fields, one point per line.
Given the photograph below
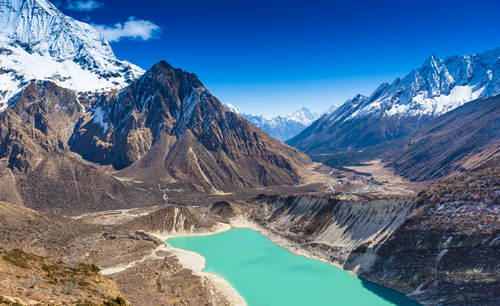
x=395 y=110
x=281 y=128
x=39 y=42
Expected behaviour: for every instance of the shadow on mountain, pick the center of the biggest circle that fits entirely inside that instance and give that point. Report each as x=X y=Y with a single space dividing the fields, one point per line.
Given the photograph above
x=390 y=295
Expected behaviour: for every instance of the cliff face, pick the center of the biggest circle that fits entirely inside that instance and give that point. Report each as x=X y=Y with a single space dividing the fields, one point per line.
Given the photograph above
x=440 y=248
x=446 y=253
x=331 y=229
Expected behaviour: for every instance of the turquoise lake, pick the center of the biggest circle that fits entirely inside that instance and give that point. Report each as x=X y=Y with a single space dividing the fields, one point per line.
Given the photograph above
x=264 y=273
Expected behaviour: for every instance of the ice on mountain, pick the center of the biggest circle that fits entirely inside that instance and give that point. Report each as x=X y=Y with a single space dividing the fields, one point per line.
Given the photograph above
x=38 y=42
x=436 y=87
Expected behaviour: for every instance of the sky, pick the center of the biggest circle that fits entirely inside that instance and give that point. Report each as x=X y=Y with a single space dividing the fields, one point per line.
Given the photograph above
x=270 y=57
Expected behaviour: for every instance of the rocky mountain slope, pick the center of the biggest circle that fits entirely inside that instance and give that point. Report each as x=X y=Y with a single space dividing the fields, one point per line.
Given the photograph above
x=35 y=172
x=281 y=128
x=38 y=42
x=398 y=109
x=167 y=127
x=456 y=142
x=446 y=253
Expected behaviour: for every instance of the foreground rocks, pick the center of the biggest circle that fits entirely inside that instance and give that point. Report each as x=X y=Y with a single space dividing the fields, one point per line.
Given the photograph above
x=145 y=271
x=35 y=280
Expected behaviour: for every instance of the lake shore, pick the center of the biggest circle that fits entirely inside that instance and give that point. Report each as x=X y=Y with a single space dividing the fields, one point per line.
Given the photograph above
x=195 y=262
x=282 y=242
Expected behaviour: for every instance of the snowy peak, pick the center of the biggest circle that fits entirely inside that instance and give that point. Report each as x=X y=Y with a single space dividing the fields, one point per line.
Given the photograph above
x=37 y=41
x=303 y=115
x=37 y=26
x=395 y=110
x=278 y=127
x=233 y=108
x=434 y=88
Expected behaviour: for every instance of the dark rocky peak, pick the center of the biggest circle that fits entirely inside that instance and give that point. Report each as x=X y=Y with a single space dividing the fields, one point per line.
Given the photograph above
x=167 y=126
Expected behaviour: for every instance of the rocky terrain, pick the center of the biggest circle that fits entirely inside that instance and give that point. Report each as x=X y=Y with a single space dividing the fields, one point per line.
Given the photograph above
x=37 y=173
x=144 y=269
x=35 y=280
x=446 y=252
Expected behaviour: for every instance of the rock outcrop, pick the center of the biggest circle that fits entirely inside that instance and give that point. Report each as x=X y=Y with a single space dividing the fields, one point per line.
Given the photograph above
x=173 y=220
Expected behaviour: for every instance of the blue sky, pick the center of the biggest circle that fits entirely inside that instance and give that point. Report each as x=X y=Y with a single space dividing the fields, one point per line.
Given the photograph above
x=271 y=57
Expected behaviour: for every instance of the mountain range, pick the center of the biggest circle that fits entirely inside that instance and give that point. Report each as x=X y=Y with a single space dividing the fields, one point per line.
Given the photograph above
x=395 y=110
x=64 y=92
x=282 y=128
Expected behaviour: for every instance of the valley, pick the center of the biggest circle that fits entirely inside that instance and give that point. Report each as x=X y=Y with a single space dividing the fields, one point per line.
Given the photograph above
x=105 y=166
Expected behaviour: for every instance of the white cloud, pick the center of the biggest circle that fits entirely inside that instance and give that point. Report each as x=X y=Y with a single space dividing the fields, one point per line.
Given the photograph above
x=132 y=28
x=84 y=5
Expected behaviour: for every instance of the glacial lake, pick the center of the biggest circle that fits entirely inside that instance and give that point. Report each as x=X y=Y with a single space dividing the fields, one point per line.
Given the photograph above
x=264 y=273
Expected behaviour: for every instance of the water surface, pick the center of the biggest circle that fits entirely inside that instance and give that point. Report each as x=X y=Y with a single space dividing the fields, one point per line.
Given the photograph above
x=264 y=273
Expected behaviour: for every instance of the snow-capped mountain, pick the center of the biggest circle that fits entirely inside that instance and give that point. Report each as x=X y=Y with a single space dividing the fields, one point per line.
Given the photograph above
x=330 y=110
x=281 y=128
x=395 y=110
x=435 y=88
x=37 y=41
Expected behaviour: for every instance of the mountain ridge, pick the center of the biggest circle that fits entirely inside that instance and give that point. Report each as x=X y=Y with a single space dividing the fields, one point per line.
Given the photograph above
x=39 y=42
x=397 y=109
x=282 y=127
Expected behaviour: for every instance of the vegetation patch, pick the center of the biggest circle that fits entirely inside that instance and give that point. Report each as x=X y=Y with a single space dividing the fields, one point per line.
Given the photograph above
x=20 y=258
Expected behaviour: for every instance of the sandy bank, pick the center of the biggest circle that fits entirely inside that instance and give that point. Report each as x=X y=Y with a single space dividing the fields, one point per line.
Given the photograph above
x=196 y=263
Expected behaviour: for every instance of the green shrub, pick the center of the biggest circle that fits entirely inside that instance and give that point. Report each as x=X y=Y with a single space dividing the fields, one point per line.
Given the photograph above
x=19 y=258
x=89 y=267
x=118 y=301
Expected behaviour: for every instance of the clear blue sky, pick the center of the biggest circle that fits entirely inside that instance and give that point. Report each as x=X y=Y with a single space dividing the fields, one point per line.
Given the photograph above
x=271 y=57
